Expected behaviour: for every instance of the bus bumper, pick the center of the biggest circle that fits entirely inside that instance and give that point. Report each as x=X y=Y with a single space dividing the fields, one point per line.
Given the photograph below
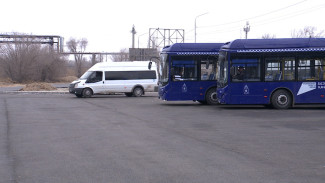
x=221 y=95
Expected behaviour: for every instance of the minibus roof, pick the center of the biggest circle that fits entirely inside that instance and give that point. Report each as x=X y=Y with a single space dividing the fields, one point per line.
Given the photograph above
x=123 y=66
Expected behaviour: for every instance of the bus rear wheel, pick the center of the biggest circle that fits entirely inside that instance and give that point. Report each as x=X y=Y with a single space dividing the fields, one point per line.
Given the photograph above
x=281 y=99
x=211 y=97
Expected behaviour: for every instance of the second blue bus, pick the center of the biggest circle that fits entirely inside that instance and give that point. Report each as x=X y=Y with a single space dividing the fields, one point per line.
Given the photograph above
x=277 y=72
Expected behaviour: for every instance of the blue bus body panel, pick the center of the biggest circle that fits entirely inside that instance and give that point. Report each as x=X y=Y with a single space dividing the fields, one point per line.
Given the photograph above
x=261 y=92
x=185 y=90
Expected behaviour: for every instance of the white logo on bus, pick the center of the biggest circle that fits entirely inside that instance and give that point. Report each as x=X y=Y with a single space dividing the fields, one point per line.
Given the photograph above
x=246 y=90
x=184 y=88
x=306 y=87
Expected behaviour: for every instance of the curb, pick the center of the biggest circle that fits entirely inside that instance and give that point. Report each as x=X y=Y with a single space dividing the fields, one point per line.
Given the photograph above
x=34 y=92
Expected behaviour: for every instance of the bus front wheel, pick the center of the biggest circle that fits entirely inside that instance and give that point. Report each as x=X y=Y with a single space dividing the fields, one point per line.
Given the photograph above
x=211 y=97
x=281 y=99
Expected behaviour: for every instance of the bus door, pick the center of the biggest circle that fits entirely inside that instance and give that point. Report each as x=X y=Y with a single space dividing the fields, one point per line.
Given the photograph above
x=247 y=87
x=185 y=83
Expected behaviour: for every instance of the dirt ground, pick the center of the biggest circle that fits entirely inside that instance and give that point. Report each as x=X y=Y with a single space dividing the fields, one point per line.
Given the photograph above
x=36 y=86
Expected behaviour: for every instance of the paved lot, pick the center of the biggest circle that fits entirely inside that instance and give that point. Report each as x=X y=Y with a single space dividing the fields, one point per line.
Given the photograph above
x=60 y=138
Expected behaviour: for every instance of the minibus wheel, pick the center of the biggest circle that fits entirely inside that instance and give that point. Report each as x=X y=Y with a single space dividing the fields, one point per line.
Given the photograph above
x=128 y=94
x=281 y=99
x=211 y=97
x=87 y=92
x=138 y=92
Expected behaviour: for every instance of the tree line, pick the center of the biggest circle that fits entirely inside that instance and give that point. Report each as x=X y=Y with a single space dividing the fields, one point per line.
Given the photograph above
x=23 y=60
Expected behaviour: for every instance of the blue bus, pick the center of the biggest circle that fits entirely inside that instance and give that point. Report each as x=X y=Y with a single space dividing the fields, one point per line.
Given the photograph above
x=277 y=72
x=187 y=71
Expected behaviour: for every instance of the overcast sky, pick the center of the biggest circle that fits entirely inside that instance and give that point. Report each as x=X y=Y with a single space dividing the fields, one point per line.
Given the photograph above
x=107 y=24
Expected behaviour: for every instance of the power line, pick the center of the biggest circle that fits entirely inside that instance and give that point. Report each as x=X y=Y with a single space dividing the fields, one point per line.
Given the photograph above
x=263 y=22
x=237 y=21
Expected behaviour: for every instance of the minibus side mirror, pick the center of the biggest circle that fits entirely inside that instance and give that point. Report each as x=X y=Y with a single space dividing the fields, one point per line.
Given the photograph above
x=149 y=65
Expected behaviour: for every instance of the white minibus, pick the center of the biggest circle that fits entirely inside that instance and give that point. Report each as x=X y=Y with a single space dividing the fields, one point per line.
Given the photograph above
x=132 y=78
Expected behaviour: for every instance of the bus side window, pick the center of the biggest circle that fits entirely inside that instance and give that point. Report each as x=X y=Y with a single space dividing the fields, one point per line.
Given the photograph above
x=246 y=69
x=208 y=70
x=184 y=69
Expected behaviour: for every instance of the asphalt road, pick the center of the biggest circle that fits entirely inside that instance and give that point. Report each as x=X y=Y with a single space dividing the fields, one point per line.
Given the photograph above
x=58 y=138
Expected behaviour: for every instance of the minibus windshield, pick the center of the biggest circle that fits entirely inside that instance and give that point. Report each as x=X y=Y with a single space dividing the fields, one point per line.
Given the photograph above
x=86 y=75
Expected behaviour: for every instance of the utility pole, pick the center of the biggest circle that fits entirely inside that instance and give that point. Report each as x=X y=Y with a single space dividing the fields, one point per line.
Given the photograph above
x=133 y=35
x=247 y=29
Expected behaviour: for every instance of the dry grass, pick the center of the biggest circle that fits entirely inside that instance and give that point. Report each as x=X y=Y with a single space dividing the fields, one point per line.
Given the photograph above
x=6 y=82
x=38 y=87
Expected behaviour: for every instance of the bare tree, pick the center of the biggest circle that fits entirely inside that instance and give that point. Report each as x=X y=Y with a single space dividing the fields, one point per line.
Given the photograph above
x=307 y=32
x=78 y=47
x=123 y=56
x=24 y=60
x=268 y=36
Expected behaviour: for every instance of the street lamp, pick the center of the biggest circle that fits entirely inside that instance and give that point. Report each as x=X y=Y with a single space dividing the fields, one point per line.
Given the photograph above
x=195 y=24
x=139 y=37
x=247 y=29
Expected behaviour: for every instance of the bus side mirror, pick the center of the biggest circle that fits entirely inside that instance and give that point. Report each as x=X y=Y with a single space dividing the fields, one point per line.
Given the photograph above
x=232 y=71
x=207 y=64
x=172 y=71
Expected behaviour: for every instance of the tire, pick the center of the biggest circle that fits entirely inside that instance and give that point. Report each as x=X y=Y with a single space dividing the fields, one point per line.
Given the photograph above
x=203 y=102
x=211 y=97
x=281 y=99
x=79 y=95
x=87 y=92
x=128 y=94
x=138 y=92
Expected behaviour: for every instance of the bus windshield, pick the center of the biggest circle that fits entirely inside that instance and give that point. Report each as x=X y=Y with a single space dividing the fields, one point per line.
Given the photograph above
x=223 y=69
x=163 y=69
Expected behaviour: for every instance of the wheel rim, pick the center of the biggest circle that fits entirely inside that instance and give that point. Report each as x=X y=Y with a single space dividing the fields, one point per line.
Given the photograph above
x=87 y=92
x=213 y=97
x=282 y=99
x=138 y=92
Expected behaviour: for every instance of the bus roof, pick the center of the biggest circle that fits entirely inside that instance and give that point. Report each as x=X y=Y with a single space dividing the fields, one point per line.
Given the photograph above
x=193 y=48
x=276 y=45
